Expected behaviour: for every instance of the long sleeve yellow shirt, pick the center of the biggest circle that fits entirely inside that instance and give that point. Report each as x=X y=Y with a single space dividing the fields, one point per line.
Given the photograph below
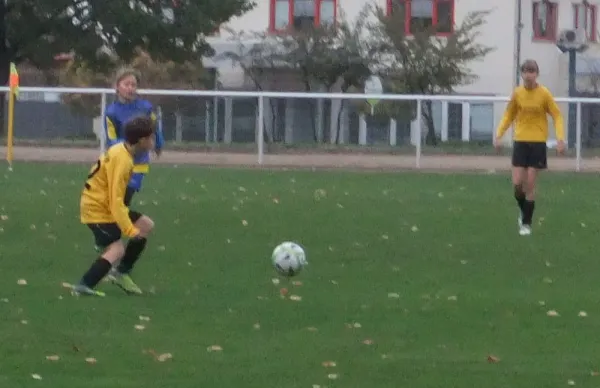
x=528 y=108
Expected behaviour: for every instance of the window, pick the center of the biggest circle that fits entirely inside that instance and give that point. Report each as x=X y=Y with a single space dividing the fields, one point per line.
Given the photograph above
x=421 y=14
x=545 y=17
x=296 y=14
x=584 y=17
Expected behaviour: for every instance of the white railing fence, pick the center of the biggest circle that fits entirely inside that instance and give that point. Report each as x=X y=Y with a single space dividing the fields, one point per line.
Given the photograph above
x=262 y=96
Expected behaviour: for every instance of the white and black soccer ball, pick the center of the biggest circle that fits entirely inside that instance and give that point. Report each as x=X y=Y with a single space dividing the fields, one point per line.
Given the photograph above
x=288 y=259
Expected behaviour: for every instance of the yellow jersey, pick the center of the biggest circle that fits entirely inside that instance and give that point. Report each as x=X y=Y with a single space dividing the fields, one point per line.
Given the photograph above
x=102 y=199
x=528 y=108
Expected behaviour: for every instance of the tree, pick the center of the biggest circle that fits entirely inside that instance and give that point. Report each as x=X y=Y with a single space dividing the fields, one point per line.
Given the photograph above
x=314 y=58
x=156 y=75
x=425 y=63
x=96 y=31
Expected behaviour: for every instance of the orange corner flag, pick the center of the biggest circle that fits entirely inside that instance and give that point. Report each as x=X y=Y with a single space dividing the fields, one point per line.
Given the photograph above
x=14 y=79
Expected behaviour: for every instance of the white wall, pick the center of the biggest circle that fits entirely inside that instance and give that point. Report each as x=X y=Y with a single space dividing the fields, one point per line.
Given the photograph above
x=496 y=73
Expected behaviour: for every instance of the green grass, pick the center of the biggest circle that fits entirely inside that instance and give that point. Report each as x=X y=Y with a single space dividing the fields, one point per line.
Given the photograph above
x=212 y=282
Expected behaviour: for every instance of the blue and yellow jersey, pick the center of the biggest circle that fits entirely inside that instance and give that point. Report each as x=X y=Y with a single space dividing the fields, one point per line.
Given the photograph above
x=117 y=114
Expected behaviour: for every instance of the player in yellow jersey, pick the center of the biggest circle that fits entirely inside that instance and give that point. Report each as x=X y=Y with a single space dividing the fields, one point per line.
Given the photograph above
x=104 y=211
x=528 y=108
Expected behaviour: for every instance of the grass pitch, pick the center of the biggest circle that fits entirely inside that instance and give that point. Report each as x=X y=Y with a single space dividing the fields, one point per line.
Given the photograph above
x=414 y=281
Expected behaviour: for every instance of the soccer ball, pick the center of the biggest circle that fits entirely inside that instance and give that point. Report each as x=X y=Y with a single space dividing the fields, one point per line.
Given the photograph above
x=288 y=259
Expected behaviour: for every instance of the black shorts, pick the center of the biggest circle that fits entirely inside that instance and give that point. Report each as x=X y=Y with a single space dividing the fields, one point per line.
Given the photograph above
x=530 y=154
x=108 y=233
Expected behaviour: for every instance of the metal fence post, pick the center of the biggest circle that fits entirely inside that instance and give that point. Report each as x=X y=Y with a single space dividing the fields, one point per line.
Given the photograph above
x=261 y=128
x=420 y=133
x=102 y=123
x=578 y=138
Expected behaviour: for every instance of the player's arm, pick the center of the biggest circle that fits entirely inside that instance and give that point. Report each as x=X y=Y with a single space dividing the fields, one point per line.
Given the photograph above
x=554 y=111
x=111 y=130
x=509 y=116
x=160 y=140
x=119 y=172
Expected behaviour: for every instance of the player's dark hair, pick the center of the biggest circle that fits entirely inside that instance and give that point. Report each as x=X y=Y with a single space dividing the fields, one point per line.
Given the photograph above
x=138 y=128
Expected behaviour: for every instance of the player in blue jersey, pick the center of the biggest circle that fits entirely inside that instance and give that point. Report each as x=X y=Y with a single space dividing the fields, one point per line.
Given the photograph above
x=127 y=106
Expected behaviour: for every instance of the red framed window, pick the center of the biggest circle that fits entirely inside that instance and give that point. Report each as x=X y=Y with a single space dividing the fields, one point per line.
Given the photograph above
x=585 y=16
x=545 y=20
x=294 y=14
x=421 y=14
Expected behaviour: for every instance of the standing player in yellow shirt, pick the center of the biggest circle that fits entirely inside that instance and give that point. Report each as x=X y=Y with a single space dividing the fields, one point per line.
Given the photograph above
x=104 y=211
x=528 y=108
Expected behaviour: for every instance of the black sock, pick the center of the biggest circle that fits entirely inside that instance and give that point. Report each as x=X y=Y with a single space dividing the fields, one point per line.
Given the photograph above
x=520 y=197
x=134 y=249
x=97 y=271
x=529 y=207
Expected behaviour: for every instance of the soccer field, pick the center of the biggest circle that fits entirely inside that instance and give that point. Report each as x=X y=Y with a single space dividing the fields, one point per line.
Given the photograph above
x=415 y=280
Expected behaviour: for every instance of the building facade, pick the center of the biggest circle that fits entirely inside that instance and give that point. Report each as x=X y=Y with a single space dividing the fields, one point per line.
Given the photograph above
x=516 y=29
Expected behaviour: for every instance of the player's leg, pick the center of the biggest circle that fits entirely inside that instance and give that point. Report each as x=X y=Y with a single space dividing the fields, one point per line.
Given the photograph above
x=519 y=170
x=538 y=162
x=121 y=276
x=109 y=237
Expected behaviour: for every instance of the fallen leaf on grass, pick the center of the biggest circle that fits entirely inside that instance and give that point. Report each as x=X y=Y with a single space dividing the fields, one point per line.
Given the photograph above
x=244 y=222
x=275 y=281
x=332 y=376
x=329 y=364
x=320 y=194
x=552 y=313
x=594 y=373
x=35 y=376
x=164 y=357
x=283 y=292
x=452 y=298
x=144 y=318
x=492 y=359
x=3 y=217
x=5 y=300
x=385 y=237
x=214 y=348
x=22 y=282
x=312 y=328
x=463 y=262
x=414 y=228
x=368 y=342
x=547 y=280
x=582 y=314
x=275 y=201
x=256 y=326
x=571 y=382
x=542 y=303
x=53 y=357
x=295 y=298
x=91 y=360
x=24 y=322
x=297 y=283
x=139 y=327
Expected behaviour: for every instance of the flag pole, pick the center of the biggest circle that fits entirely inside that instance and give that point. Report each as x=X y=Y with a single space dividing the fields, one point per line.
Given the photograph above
x=12 y=95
